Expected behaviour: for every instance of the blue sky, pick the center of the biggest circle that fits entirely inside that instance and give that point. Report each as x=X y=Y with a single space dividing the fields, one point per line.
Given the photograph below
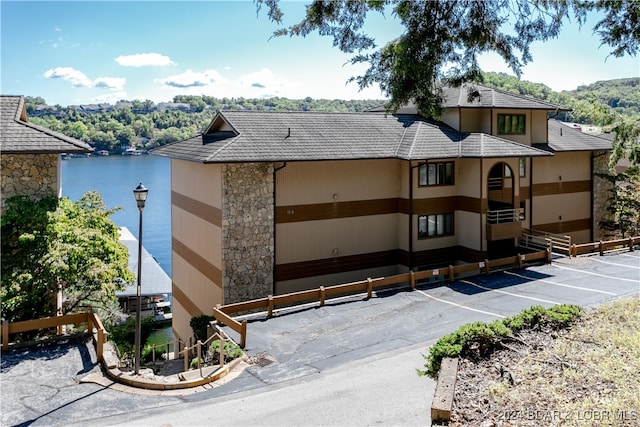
x=82 y=52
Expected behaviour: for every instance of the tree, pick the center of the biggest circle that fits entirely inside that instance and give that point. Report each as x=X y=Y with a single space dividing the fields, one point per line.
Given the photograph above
x=443 y=39
x=623 y=203
x=52 y=243
x=626 y=130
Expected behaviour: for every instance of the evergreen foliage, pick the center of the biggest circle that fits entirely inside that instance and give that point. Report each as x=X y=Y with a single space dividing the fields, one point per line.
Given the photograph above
x=478 y=339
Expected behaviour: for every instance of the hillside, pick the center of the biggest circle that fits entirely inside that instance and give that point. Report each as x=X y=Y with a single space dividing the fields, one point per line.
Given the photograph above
x=146 y=125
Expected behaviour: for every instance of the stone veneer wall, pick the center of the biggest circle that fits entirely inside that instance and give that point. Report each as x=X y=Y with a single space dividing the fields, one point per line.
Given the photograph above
x=601 y=189
x=247 y=231
x=28 y=174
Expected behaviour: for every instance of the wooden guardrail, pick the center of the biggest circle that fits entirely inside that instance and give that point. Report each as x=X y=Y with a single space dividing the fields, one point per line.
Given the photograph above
x=536 y=238
x=603 y=246
x=92 y=321
x=223 y=313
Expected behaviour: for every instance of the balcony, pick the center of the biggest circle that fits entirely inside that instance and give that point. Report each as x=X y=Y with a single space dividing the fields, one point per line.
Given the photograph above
x=504 y=224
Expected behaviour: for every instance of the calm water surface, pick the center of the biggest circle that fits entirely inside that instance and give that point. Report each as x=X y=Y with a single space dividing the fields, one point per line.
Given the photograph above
x=115 y=177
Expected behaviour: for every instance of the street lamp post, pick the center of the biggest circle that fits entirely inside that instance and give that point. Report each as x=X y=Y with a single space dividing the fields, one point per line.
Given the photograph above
x=140 y=193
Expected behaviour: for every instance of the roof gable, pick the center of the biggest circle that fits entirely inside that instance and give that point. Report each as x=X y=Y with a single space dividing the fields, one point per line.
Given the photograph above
x=564 y=138
x=17 y=135
x=312 y=136
x=472 y=95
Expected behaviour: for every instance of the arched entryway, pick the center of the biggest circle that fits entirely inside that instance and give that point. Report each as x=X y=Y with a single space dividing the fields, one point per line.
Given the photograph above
x=503 y=224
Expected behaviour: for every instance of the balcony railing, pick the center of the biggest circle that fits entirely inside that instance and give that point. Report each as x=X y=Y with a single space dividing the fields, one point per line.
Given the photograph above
x=504 y=216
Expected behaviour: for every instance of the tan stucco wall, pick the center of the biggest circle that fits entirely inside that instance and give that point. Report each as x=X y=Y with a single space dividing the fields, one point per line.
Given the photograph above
x=202 y=237
x=29 y=174
x=476 y=120
x=539 y=133
x=562 y=193
x=318 y=182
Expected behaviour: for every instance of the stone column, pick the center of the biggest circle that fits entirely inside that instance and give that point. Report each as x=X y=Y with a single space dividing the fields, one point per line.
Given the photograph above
x=247 y=231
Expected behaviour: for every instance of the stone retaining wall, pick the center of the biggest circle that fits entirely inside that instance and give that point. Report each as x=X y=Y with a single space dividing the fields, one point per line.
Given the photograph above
x=247 y=231
x=601 y=188
x=28 y=174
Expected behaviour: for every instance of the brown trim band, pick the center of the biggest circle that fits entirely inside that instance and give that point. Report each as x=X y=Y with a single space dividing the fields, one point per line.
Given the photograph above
x=319 y=267
x=429 y=258
x=565 y=226
x=562 y=187
x=321 y=211
x=209 y=270
x=204 y=211
x=426 y=206
x=184 y=300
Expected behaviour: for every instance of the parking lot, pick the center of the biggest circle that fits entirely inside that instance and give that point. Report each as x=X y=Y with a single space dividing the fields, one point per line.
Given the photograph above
x=350 y=362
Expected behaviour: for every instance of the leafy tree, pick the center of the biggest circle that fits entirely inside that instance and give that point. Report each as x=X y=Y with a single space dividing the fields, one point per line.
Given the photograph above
x=623 y=203
x=626 y=130
x=443 y=38
x=51 y=244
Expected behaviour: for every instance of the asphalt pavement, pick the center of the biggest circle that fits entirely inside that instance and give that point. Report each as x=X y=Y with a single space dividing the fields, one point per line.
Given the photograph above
x=350 y=362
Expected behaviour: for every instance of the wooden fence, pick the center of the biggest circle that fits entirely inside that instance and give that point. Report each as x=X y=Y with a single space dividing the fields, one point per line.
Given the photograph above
x=603 y=246
x=321 y=294
x=92 y=321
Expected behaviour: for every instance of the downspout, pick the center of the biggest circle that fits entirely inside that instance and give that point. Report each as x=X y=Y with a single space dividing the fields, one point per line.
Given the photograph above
x=531 y=195
x=273 y=274
x=482 y=225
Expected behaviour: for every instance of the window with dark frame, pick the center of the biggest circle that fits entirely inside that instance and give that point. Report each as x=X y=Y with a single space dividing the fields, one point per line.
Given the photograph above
x=435 y=225
x=435 y=174
x=523 y=167
x=511 y=124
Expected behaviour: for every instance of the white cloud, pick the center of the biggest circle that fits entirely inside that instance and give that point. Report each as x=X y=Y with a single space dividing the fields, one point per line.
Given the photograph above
x=190 y=79
x=260 y=84
x=113 y=83
x=144 y=59
x=77 y=78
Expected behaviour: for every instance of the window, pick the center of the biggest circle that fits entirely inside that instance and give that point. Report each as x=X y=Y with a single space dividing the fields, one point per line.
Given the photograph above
x=523 y=167
x=435 y=174
x=435 y=225
x=523 y=210
x=511 y=124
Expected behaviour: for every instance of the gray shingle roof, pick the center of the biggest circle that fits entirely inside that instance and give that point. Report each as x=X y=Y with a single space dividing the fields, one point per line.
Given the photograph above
x=19 y=136
x=565 y=138
x=300 y=136
x=491 y=98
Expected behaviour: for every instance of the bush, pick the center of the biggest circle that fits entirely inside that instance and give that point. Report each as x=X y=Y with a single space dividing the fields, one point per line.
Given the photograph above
x=478 y=339
x=231 y=351
x=199 y=326
x=124 y=335
x=194 y=363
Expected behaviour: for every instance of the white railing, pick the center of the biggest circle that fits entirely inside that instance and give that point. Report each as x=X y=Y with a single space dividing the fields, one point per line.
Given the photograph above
x=504 y=216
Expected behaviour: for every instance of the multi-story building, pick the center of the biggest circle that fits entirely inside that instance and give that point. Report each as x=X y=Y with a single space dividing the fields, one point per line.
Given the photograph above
x=272 y=202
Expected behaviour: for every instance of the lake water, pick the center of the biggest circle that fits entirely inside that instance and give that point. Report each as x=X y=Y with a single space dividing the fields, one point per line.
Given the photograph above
x=115 y=177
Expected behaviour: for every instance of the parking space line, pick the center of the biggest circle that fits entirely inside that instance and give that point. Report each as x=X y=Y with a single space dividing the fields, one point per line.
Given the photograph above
x=595 y=274
x=630 y=256
x=613 y=263
x=508 y=293
x=561 y=284
x=458 y=305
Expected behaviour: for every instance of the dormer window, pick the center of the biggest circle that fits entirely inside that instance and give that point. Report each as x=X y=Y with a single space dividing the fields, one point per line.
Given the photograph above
x=511 y=124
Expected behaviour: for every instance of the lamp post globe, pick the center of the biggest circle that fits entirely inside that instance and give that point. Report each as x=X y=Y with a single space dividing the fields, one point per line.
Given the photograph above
x=140 y=194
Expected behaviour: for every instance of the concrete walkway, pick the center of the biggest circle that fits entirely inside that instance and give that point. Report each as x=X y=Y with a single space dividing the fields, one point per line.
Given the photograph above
x=351 y=362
